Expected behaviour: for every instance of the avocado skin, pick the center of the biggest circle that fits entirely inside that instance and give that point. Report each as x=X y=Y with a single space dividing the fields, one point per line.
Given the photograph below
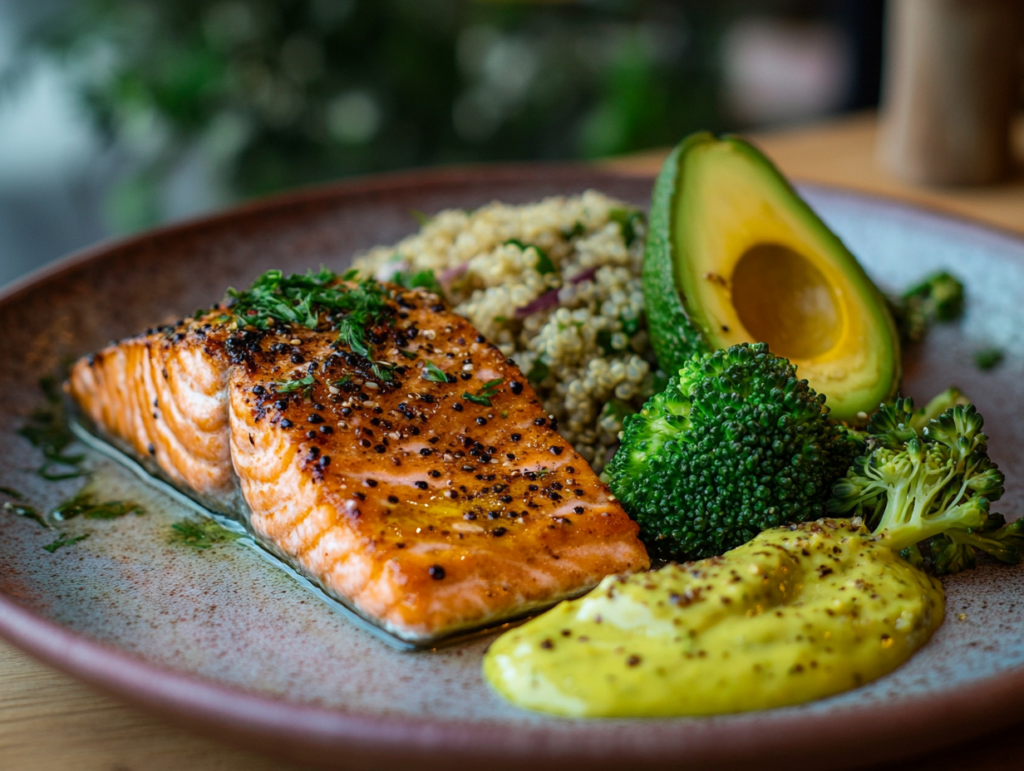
x=676 y=333
x=674 y=337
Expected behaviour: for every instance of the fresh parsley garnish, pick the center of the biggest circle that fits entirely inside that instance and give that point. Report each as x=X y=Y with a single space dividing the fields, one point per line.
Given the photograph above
x=303 y=384
x=544 y=264
x=539 y=371
x=627 y=219
x=382 y=371
x=85 y=504
x=483 y=395
x=988 y=358
x=424 y=279
x=408 y=354
x=200 y=534
x=65 y=540
x=311 y=299
x=577 y=230
x=617 y=410
x=47 y=429
x=434 y=373
x=28 y=512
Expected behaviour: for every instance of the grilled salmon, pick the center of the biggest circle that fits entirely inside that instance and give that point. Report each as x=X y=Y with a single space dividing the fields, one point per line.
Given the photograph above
x=373 y=439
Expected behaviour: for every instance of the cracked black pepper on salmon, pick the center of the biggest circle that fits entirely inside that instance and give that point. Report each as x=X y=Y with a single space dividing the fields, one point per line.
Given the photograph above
x=375 y=440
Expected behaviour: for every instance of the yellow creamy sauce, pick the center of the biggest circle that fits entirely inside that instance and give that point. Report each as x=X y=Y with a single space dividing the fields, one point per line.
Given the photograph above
x=798 y=613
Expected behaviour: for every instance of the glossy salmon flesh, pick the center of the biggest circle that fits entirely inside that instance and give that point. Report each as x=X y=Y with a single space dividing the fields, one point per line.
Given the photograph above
x=373 y=439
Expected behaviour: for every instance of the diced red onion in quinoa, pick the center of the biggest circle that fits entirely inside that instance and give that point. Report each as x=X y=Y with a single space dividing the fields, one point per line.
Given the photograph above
x=550 y=298
x=446 y=277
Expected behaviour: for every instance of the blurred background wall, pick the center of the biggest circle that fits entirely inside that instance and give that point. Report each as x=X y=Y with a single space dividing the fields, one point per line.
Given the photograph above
x=119 y=114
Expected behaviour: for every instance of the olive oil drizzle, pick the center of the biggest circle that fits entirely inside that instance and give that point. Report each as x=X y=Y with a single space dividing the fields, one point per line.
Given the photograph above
x=85 y=504
x=200 y=534
x=49 y=430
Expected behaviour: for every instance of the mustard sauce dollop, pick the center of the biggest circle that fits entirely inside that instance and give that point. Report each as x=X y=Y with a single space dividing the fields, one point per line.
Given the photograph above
x=798 y=613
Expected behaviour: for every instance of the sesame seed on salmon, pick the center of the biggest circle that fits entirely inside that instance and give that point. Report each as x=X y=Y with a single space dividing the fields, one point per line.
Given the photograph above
x=394 y=456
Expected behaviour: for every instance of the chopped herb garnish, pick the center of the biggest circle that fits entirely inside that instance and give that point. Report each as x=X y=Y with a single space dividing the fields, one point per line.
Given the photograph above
x=629 y=326
x=544 y=264
x=408 y=354
x=424 y=279
x=28 y=512
x=382 y=371
x=353 y=335
x=627 y=219
x=84 y=504
x=350 y=275
x=420 y=217
x=988 y=358
x=539 y=371
x=303 y=384
x=304 y=299
x=48 y=430
x=483 y=396
x=577 y=230
x=500 y=319
x=617 y=410
x=200 y=534
x=342 y=382
x=12 y=493
x=604 y=339
x=434 y=373
x=64 y=540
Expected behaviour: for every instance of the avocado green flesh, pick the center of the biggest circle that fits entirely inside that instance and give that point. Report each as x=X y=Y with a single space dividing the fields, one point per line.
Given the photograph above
x=735 y=255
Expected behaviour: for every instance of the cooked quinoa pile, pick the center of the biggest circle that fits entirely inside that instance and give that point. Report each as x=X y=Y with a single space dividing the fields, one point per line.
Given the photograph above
x=556 y=286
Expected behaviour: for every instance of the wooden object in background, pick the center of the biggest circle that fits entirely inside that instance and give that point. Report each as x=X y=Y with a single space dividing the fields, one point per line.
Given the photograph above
x=950 y=86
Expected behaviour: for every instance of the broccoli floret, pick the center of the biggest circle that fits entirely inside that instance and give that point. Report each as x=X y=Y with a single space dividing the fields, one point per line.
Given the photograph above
x=734 y=445
x=927 y=484
x=951 y=397
x=917 y=419
x=939 y=297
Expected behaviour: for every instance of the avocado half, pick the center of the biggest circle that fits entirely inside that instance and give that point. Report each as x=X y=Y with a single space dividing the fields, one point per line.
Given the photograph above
x=734 y=255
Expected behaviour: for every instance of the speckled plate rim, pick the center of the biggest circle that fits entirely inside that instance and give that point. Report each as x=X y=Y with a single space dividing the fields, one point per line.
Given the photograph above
x=840 y=738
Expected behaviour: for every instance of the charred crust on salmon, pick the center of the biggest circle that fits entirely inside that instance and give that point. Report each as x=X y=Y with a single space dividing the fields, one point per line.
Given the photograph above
x=372 y=464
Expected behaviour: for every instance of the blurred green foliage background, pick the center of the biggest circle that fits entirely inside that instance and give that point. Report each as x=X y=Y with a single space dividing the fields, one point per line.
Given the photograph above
x=276 y=93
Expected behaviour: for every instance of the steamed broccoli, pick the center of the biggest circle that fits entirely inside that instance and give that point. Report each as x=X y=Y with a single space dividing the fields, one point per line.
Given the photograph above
x=735 y=444
x=939 y=297
x=929 y=483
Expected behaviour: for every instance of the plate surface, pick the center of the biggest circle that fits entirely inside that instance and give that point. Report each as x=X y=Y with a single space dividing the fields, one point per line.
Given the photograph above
x=220 y=639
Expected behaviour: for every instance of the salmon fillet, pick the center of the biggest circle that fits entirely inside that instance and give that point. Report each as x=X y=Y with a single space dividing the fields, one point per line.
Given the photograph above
x=411 y=472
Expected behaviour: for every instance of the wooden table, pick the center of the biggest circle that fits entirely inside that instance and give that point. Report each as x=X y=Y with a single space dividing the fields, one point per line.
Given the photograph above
x=50 y=721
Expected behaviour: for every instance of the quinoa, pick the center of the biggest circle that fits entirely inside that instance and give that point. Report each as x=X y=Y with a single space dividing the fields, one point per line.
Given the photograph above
x=569 y=312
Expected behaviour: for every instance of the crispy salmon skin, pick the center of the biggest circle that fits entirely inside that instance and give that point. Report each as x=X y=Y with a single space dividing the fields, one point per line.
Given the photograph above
x=373 y=439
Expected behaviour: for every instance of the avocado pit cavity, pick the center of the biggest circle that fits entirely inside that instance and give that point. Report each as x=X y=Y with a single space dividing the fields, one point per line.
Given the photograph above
x=784 y=300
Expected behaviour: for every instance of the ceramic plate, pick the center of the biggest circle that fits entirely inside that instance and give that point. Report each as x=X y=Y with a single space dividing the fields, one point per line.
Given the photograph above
x=223 y=640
